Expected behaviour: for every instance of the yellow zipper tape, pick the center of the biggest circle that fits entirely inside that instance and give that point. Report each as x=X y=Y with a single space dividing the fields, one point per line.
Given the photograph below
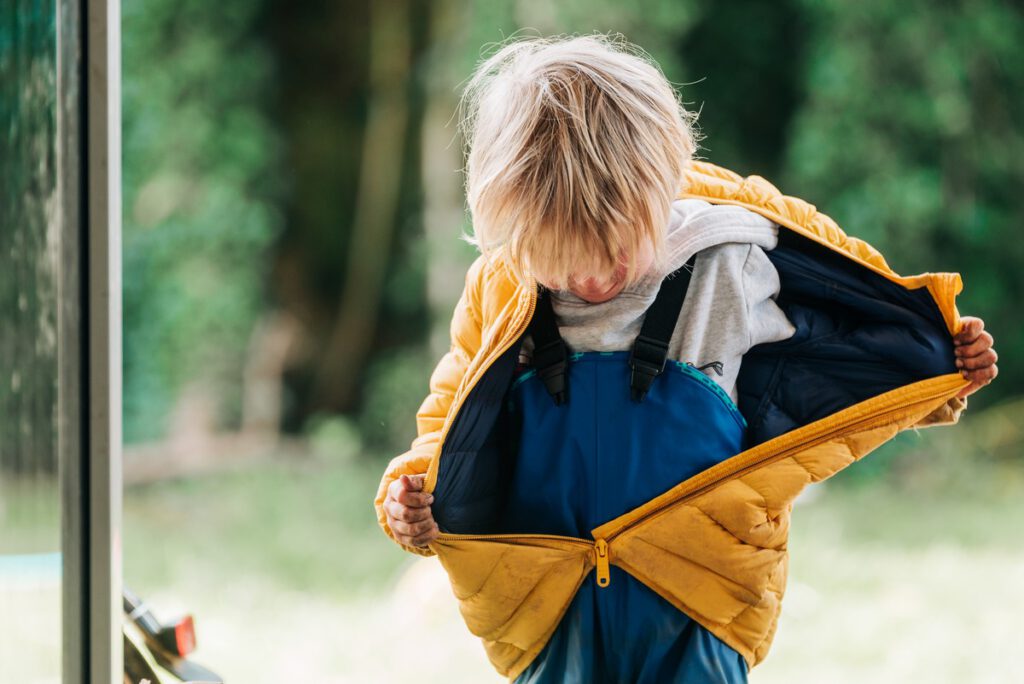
x=860 y=416
x=857 y=417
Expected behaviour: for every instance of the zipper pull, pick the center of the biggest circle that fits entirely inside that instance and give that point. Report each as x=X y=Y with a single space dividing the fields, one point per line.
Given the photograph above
x=603 y=572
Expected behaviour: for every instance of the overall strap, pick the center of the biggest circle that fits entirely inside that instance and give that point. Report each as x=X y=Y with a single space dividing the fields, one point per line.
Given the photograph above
x=550 y=353
x=650 y=349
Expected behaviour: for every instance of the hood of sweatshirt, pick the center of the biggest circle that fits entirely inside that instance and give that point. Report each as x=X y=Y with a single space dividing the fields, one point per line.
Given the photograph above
x=693 y=225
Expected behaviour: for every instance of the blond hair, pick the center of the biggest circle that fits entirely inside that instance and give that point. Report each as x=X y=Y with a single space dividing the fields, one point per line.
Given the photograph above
x=576 y=147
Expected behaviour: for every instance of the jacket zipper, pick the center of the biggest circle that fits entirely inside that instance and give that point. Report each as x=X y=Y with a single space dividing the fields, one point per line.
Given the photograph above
x=603 y=571
x=824 y=435
x=513 y=538
x=600 y=552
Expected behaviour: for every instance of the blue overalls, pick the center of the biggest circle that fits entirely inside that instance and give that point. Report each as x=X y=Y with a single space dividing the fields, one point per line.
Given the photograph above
x=598 y=436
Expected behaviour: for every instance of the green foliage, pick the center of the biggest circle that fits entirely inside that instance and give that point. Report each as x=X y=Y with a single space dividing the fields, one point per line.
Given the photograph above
x=910 y=138
x=899 y=120
x=199 y=201
x=397 y=383
x=742 y=63
x=31 y=239
x=654 y=25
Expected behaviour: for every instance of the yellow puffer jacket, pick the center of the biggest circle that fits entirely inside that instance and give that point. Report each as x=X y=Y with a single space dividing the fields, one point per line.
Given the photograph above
x=715 y=545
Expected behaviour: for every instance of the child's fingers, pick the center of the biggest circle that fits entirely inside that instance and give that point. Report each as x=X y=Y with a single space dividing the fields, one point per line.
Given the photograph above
x=409 y=530
x=983 y=360
x=978 y=378
x=971 y=327
x=426 y=537
x=407 y=513
x=414 y=499
x=982 y=376
x=412 y=483
x=398 y=491
x=980 y=344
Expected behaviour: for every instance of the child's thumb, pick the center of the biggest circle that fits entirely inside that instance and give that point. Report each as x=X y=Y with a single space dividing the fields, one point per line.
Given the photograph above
x=412 y=484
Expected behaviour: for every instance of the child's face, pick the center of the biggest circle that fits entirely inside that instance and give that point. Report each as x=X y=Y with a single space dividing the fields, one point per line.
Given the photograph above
x=601 y=288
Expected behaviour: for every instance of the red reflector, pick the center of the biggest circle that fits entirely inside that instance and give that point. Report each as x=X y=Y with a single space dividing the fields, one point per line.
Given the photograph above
x=185 y=636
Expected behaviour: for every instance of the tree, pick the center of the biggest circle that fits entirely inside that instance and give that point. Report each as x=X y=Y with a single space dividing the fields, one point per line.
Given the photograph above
x=910 y=138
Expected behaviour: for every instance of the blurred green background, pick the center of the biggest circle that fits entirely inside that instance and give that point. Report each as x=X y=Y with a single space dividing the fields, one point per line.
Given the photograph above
x=292 y=207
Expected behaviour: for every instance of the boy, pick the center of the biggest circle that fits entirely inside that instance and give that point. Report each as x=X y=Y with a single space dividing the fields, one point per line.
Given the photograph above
x=577 y=151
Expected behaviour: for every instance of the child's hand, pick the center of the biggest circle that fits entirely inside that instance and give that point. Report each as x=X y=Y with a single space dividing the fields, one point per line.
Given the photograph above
x=408 y=511
x=975 y=356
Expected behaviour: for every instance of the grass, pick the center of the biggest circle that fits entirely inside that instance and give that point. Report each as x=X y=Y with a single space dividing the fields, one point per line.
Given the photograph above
x=290 y=580
x=891 y=586
x=30 y=595
x=907 y=567
x=29 y=514
x=306 y=526
x=917 y=576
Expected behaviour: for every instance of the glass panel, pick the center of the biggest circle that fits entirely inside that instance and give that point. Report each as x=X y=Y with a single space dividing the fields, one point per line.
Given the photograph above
x=30 y=272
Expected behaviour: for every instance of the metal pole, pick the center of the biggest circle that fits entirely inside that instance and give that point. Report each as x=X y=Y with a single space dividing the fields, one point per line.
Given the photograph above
x=103 y=255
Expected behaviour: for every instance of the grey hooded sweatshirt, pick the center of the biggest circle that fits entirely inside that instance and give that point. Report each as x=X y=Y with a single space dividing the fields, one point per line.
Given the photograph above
x=729 y=306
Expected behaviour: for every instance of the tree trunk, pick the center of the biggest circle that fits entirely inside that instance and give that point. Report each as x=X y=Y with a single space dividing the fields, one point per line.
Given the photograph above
x=373 y=226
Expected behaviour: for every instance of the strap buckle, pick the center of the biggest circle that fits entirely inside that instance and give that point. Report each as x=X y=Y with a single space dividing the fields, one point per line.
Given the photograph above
x=646 y=362
x=551 y=361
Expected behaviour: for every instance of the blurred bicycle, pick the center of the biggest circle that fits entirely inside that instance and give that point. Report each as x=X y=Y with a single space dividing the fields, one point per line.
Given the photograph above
x=157 y=652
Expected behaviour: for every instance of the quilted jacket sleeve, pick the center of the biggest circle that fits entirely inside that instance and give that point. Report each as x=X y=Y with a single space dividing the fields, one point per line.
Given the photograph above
x=444 y=381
